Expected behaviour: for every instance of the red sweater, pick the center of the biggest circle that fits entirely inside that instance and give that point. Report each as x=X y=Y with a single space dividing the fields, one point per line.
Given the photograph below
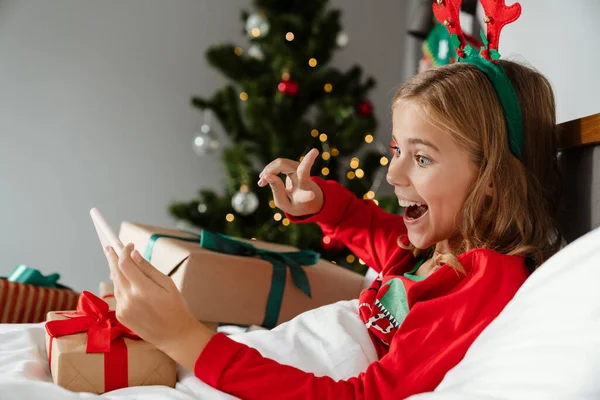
x=448 y=310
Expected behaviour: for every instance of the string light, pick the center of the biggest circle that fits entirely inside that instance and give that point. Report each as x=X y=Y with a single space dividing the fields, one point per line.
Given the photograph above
x=350 y=258
x=376 y=202
x=285 y=76
x=351 y=175
x=277 y=217
x=243 y=96
x=229 y=217
x=255 y=32
x=285 y=222
x=272 y=203
x=289 y=36
x=354 y=163
x=238 y=51
x=369 y=138
x=326 y=155
x=301 y=158
x=360 y=173
x=314 y=133
x=325 y=171
x=328 y=87
x=383 y=160
x=323 y=137
x=252 y=238
x=335 y=152
x=369 y=195
x=312 y=62
x=326 y=239
x=361 y=262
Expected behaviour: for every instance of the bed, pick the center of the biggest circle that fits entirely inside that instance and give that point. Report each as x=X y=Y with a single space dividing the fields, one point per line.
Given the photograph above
x=545 y=344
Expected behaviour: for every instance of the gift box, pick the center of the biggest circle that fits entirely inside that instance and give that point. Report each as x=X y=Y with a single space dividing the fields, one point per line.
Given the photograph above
x=225 y=280
x=27 y=296
x=90 y=351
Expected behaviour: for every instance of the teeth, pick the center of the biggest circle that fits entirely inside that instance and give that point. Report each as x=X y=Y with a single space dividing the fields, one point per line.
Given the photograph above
x=406 y=203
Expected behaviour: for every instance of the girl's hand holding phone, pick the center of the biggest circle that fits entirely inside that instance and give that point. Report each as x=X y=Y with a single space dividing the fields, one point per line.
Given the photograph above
x=148 y=302
x=300 y=195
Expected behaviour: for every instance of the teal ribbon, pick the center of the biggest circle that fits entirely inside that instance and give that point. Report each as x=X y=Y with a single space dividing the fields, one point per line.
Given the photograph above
x=281 y=261
x=32 y=276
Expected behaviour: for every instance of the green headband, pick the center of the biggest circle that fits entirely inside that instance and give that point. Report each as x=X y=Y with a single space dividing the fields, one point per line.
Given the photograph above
x=486 y=60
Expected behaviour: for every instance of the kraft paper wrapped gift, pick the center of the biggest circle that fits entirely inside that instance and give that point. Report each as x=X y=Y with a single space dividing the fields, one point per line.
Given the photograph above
x=90 y=351
x=243 y=282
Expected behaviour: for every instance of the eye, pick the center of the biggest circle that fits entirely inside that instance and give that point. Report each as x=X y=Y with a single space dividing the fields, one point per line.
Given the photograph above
x=423 y=161
x=395 y=150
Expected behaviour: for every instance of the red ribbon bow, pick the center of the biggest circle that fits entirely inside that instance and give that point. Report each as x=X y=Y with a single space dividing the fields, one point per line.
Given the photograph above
x=105 y=335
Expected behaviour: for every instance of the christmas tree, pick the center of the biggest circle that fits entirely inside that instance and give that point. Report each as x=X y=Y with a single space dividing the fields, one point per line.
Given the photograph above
x=282 y=100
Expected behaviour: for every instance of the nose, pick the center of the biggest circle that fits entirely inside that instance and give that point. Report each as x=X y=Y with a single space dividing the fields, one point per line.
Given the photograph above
x=396 y=175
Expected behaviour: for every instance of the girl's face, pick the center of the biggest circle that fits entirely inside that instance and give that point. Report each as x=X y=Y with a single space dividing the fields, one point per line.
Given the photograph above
x=431 y=176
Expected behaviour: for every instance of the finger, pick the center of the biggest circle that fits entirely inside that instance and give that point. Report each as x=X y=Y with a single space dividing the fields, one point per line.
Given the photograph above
x=130 y=269
x=280 y=166
x=115 y=273
x=280 y=195
x=149 y=270
x=305 y=166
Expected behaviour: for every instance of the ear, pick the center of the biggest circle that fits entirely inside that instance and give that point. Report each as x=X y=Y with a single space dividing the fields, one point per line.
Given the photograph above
x=489 y=191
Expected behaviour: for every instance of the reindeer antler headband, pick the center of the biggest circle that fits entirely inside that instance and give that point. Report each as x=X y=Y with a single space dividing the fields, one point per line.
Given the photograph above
x=497 y=15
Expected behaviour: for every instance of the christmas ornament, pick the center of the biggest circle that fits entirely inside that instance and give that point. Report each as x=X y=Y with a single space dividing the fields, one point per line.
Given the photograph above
x=364 y=108
x=202 y=207
x=255 y=52
x=288 y=87
x=244 y=202
x=205 y=141
x=342 y=39
x=257 y=25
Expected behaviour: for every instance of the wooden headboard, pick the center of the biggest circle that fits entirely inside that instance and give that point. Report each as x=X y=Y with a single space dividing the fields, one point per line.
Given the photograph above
x=579 y=132
x=579 y=160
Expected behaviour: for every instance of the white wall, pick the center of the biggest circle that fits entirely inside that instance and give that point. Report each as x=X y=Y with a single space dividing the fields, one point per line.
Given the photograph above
x=94 y=111
x=560 y=39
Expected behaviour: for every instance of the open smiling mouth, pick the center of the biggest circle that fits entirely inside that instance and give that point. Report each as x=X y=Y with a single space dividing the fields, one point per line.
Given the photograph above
x=413 y=210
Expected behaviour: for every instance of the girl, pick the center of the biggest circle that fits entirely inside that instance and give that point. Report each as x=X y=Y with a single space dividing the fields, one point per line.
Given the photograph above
x=480 y=187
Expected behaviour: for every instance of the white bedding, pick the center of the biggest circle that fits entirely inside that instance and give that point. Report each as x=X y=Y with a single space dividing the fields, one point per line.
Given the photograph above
x=544 y=345
x=331 y=340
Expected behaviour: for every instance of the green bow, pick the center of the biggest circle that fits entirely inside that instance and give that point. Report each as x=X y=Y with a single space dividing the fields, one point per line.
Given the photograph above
x=32 y=276
x=279 y=260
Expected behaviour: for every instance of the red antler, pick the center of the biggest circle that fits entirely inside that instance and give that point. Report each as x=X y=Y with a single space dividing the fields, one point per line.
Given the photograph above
x=497 y=15
x=447 y=12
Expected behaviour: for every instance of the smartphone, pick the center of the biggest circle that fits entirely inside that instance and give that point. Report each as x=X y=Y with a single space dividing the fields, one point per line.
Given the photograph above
x=106 y=235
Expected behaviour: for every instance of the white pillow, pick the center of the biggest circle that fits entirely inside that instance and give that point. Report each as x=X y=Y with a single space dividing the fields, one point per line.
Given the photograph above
x=546 y=342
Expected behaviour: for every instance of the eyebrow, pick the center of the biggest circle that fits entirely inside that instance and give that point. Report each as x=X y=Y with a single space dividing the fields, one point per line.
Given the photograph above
x=414 y=141
x=423 y=142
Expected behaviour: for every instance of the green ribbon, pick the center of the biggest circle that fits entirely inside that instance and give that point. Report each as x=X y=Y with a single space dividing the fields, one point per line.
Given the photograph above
x=281 y=261
x=32 y=276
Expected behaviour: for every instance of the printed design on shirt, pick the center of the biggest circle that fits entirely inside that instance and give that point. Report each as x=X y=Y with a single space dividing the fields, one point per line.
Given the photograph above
x=383 y=307
x=392 y=302
x=374 y=323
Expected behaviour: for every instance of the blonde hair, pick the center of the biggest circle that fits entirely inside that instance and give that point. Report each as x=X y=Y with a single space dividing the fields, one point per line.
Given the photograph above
x=520 y=217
